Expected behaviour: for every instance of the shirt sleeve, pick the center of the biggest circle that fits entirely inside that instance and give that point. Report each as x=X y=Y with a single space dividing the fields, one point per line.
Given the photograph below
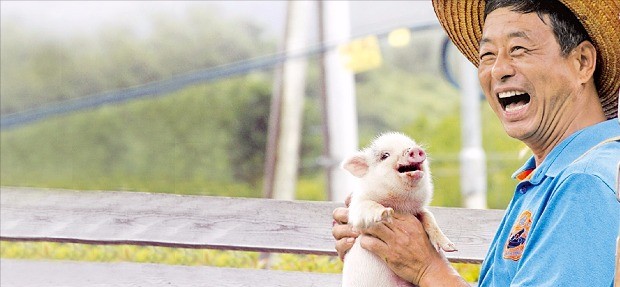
x=573 y=242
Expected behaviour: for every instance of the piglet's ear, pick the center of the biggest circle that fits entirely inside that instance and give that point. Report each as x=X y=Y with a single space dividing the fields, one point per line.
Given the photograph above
x=356 y=165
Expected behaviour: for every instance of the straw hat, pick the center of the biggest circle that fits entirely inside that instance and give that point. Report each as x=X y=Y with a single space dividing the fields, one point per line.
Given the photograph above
x=463 y=21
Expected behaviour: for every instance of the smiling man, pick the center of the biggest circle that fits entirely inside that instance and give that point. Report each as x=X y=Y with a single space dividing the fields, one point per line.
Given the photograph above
x=540 y=91
x=550 y=70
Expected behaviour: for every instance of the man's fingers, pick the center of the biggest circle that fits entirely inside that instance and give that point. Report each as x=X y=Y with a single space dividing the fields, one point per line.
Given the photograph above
x=342 y=230
x=341 y=215
x=374 y=245
x=347 y=200
x=345 y=238
x=344 y=245
x=404 y=216
x=381 y=230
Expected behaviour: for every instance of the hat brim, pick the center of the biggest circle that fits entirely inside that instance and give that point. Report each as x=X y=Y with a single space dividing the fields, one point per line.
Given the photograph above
x=463 y=22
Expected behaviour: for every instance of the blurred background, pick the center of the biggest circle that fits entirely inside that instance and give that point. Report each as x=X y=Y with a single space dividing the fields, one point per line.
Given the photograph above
x=209 y=137
x=176 y=96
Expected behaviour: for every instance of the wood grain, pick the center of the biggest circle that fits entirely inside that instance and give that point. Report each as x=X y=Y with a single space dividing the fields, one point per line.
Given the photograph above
x=78 y=274
x=250 y=224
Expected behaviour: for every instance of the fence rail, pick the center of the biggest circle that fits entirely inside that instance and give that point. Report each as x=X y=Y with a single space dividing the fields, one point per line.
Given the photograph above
x=250 y=224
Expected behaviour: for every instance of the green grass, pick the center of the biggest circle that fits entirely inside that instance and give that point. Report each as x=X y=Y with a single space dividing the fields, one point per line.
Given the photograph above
x=167 y=255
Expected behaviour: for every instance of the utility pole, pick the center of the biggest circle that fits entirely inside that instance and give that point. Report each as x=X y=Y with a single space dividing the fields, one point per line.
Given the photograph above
x=340 y=111
x=473 y=159
x=289 y=126
x=286 y=111
x=273 y=129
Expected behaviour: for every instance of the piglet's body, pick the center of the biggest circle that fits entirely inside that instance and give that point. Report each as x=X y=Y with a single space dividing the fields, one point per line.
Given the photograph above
x=395 y=177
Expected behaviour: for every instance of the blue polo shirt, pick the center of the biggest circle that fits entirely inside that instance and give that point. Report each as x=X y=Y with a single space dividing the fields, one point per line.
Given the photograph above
x=561 y=225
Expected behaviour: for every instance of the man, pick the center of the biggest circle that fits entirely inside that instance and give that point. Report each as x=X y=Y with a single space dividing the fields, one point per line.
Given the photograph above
x=552 y=78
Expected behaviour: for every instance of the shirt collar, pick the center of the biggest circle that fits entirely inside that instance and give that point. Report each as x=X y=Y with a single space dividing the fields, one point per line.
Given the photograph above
x=568 y=150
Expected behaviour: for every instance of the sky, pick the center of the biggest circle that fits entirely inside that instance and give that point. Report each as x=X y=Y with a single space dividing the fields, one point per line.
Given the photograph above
x=68 y=17
x=85 y=16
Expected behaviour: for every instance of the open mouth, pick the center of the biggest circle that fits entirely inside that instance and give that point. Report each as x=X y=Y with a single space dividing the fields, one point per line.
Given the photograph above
x=411 y=167
x=513 y=100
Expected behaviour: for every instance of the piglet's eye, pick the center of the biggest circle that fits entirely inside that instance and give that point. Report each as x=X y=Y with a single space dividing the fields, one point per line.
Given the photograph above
x=384 y=155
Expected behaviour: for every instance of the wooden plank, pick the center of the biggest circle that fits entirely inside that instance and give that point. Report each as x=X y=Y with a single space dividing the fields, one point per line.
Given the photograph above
x=205 y=222
x=166 y=220
x=78 y=274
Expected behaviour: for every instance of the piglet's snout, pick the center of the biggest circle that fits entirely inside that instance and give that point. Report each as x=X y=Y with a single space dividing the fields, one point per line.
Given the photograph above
x=415 y=155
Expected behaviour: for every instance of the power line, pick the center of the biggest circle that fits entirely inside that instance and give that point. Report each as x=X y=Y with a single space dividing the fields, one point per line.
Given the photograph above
x=175 y=83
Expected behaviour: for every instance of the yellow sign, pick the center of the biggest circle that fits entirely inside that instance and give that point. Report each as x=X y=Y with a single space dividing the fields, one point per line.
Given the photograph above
x=361 y=55
x=399 y=37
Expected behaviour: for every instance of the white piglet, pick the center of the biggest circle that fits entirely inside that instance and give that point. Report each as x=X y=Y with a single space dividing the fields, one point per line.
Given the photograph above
x=394 y=176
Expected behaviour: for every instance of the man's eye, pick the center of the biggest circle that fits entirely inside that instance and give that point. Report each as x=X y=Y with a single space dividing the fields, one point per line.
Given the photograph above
x=518 y=49
x=384 y=155
x=485 y=55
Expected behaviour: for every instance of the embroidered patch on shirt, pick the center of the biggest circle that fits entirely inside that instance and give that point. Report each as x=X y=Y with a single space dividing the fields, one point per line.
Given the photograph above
x=518 y=235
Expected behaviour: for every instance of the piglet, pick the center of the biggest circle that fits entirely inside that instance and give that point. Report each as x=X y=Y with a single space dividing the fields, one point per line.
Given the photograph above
x=394 y=176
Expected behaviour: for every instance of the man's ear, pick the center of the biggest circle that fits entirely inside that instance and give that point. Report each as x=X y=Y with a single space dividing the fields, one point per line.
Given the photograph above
x=586 y=60
x=356 y=165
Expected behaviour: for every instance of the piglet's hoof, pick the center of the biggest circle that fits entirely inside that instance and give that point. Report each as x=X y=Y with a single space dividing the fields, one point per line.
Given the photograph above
x=387 y=214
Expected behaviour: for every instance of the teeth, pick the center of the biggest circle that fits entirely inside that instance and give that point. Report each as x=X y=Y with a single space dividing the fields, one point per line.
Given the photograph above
x=510 y=94
x=515 y=107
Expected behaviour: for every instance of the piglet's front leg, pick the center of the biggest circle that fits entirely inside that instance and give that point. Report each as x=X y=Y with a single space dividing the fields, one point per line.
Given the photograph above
x=435 y=235
x=363 y=213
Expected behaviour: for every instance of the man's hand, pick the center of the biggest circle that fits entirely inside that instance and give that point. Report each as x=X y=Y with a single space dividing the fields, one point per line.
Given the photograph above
x=403 y=244
x=342 y=232
x=405 y=247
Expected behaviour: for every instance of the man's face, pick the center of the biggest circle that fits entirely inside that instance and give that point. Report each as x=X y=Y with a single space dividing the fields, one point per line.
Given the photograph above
x=524 y=76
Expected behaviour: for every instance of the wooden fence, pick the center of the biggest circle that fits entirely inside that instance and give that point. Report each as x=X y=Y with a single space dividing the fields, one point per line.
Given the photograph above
x=249 y=224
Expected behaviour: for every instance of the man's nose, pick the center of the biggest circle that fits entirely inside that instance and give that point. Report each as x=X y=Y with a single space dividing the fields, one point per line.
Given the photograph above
x=502 y=68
